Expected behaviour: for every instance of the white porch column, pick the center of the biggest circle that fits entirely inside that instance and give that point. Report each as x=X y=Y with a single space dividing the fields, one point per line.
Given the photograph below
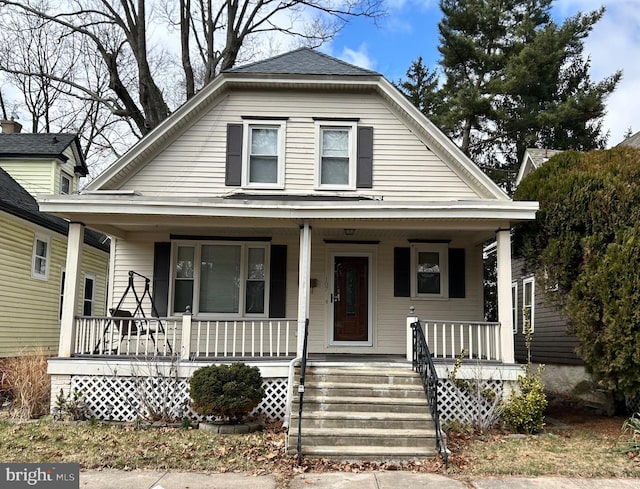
x=304 y=282
x=71 y=289
x=411 y=318
x=503 y=250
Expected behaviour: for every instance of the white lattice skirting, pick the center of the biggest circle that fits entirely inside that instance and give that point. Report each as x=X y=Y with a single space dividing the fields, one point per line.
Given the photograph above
x=459 y=405
x=112 y=398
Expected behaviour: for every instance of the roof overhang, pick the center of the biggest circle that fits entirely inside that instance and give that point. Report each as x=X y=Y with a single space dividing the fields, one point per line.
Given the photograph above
x=121 y=214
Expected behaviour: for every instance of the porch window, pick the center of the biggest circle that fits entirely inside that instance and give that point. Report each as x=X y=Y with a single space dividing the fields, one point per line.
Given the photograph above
x=264 y=150
x=89 y=294
x=228 y=278
x=528 y=303
x=40 y=263
x=514 y=306
x=337 y=156
x=430 y=265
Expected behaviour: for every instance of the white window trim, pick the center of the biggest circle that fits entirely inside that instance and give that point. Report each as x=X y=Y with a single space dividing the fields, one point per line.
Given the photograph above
x=281 y=126
x=443 y=250
x=92 y=277
x=514 y=306
x=353 y=129
x=44 y=239
x=64 y=176
x=244 y=257
x=532 y=316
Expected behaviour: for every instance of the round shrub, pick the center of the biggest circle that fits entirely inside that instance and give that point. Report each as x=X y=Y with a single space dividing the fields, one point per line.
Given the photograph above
x=226 y=391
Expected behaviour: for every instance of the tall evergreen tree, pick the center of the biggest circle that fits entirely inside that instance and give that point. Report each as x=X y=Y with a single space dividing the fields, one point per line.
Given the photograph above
x=516 y=79
x=421 y=88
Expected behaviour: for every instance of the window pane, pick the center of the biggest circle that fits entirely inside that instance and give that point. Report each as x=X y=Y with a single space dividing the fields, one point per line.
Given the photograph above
x=335 y=142
x=184 y=263
x=183 y=295
x=263 y=169
x=335 y=171
x=255 y=297
x=220 y=279
x=264 y=141
x=65 y=185
x=527 y=294
x=41 y=248
x=40 y=266
x=428 y=272
x=256 y=264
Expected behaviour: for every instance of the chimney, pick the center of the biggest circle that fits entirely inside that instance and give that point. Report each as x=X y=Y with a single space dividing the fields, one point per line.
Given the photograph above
x=10 y=126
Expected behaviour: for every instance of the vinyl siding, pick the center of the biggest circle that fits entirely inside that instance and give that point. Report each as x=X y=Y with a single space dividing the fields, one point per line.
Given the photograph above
x=194 y=164
x=29 y=310
x=36 y=176
x=550 y=341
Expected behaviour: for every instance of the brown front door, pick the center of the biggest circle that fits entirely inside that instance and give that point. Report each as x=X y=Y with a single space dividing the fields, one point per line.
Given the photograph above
x=351 y=298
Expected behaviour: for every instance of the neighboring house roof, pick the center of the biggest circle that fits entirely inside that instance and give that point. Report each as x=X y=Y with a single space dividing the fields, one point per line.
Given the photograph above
x=633 y=140
x=42 y=145
x=304 y=61
x=15 y=200
x=533 y=159
x=300 y=69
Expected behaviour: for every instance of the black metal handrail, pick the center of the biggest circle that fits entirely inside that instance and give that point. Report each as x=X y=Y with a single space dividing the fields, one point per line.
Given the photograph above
x=423 y=364
x=303 y=372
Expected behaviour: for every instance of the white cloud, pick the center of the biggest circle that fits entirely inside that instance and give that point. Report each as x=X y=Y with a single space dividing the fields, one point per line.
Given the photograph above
x=359 y=58
x=614 y=45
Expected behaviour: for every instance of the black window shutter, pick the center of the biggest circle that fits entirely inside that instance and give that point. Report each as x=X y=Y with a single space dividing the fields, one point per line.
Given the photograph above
x=402 y=272
x=364 y=174
x=278 y=282
x=161 y=273
x=234 y=155
x=456 y=273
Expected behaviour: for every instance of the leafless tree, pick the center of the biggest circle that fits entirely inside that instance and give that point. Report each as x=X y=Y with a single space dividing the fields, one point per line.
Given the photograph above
x=126 y=43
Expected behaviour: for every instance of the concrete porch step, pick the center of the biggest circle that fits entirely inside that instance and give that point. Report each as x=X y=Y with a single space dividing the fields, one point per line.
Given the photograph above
x=352 y=389
x=370 y=437
x=372 y=454
x=364 y=420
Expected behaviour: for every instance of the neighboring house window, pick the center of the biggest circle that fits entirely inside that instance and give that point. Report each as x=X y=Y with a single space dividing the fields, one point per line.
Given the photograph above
x=430 y=265
x=229 y=278
x=65 y=184
x=514 y=306
x=528 y=302
x=336 y=156
x=40 y=267
x=89 y=294
x=263 y=165
x=63 y=276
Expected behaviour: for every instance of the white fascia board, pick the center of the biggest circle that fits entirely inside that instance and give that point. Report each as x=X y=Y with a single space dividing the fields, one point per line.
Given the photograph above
x=480 y=209
x=526 y=167
x=449 y=146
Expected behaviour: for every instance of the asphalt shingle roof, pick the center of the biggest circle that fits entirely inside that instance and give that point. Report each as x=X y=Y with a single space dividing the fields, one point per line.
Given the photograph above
x=539 y=156
x=15 y=200
x=39 y=145
x=303 y=61
x=633 y=140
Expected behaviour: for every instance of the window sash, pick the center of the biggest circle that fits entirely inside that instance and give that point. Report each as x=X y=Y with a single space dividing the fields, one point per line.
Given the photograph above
x=230 y=278
x=430 y=271
x=40 y=264
x=528 y=303
x=89 y=295
x=336 y=156
x=263 y=154
x=514 y=306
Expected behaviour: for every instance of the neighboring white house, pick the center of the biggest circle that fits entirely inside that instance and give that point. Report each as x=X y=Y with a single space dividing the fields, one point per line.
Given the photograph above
x=299 y=187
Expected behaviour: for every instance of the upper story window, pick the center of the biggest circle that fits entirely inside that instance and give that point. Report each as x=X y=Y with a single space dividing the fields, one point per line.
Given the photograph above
x=40 y=263
x=65 y=184
x=263 y=163
x=221 y=278
x=528 y=303
x=336 y=156
x=430 y=265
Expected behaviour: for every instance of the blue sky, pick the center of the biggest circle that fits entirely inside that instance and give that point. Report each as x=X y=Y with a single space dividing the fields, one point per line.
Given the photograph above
x=411 y=30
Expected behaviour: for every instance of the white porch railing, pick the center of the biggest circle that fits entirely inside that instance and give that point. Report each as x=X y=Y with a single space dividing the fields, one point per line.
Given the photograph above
x=187 y=337
x=480 y=340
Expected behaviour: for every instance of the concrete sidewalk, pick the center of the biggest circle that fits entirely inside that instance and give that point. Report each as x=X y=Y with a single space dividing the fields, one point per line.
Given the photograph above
x=115 y=479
